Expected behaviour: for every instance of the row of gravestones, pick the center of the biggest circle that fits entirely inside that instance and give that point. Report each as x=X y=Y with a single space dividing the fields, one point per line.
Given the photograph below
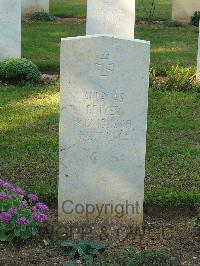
x=182 y=10
x=103 y=113
x=10 y=19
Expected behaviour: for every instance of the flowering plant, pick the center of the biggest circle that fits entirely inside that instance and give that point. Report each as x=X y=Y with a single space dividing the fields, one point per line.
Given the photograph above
x=21 y=214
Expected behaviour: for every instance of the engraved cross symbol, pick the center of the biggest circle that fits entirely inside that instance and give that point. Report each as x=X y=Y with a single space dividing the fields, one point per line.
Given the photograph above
x=104 y=66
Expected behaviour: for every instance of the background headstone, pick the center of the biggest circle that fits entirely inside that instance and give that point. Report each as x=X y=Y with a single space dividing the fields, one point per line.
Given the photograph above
x=182 y=10
x=103 y=122
x=32 y=6
x=10 y=29
x=115 y=17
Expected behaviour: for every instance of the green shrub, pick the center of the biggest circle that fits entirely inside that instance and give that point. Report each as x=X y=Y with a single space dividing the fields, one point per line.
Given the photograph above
x=180 y=79
x=85 y=250
x=195 y=19
x=43 y=16
x=19 y=70
x=173 y=79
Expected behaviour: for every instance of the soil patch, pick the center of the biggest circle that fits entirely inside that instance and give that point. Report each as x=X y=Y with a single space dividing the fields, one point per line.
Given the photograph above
x=168 y=229
x=82 y=19
x=49 y=78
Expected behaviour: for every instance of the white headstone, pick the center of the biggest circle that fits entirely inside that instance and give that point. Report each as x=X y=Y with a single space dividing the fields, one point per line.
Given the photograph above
x=103 y=122
x=10 y=29
x=115 y=17
x=183 y=10
x=198 y=58
x=30 y=7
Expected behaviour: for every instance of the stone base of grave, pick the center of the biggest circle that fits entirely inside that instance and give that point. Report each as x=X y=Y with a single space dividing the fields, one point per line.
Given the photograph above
x=101 y=229
x=111 y=220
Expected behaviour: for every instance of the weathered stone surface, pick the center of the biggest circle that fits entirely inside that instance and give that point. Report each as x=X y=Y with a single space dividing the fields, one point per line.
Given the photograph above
x=182 y=10
x=115 y=17
x=32 y=6
x=103 y=122
x=10 y=29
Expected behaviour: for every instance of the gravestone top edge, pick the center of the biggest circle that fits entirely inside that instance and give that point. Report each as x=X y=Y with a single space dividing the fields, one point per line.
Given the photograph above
x=106 y=36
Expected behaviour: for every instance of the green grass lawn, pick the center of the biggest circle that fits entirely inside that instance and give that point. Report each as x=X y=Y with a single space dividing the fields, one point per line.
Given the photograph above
x=169 y=45
x=77 y=8
x=68 y=8
x=29 y=143
x=29 y=115
x=163 y=9
x=41 y=42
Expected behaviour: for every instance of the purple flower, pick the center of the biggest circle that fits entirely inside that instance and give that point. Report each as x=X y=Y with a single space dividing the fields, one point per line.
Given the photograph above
x=19 y=191
x=5 y=217
x=34 y=209
x=8 y=186
x=22 y=221
x=42 y=207
x=12 y=210
x=4 y=196
x=23 y=205
x=33 y=197
x=1 y=182
x=39 y=217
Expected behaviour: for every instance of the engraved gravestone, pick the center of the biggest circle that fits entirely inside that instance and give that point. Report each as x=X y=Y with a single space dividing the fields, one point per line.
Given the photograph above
x=103 y=122
x=10 y=29
x=115 y=17
x=30 y=7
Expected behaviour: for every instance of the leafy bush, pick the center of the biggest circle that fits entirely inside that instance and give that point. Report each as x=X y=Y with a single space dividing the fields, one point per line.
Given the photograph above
x=43 y=16
x=174 y=79
x=180 y=79
x=86 y=250
x=195 y=19
x=20 y=214
x=19 y=70
x=148 y=258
